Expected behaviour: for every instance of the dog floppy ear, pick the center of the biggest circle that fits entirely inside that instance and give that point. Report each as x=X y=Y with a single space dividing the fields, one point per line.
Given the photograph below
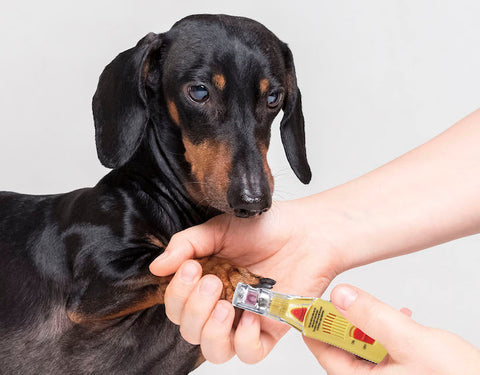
x=292 y=126
x=120 y=108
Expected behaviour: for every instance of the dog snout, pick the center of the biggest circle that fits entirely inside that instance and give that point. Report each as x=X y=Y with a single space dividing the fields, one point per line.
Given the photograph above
x=250 y=200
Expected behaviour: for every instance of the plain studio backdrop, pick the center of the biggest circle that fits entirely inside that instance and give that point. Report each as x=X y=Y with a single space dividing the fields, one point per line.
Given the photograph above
x=378 y=78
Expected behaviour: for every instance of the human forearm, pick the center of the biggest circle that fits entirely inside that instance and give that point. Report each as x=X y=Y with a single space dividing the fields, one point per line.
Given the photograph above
x=428 y=196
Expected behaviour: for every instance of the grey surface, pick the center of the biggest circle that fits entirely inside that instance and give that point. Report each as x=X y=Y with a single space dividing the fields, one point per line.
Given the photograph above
x=378 y=78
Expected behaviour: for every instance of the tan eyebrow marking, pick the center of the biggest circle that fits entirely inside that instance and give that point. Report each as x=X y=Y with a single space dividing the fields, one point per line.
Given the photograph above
x=219 y=81
x=172 y=110
x=264 y=85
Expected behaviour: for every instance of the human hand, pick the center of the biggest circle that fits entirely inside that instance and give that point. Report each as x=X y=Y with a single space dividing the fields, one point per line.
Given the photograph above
x=412 y=348
x=281 y=244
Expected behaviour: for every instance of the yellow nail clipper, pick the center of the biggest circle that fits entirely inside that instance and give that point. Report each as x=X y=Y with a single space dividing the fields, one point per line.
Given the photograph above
x=313 y=317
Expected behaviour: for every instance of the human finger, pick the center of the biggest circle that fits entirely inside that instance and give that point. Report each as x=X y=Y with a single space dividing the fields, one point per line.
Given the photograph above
x=216 y=340
x=180 y=288
x=199 y=307
x=195 y=242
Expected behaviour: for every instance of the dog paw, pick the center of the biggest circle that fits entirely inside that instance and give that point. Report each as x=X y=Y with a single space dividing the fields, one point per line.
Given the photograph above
x=231 y=275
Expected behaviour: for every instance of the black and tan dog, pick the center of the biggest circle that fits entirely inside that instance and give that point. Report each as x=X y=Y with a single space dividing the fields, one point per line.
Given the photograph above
x=183 y=119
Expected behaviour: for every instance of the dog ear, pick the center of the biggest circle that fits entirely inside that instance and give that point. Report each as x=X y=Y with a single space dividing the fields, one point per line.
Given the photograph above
x=292 y=126
x=120 y=108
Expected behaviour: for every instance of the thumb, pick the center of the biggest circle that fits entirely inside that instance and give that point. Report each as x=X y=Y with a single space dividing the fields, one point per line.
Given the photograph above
x=195 y=242
x=378 y=320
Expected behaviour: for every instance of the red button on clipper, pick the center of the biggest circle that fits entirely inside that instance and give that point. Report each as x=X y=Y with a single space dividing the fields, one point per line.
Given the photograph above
x=358 y=334
x=299 y=313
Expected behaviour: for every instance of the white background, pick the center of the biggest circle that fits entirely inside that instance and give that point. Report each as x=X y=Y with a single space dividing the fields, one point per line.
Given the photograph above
x=378 y=78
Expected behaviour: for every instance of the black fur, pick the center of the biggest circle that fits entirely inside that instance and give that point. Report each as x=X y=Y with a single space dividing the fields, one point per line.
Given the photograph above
x=85 y=254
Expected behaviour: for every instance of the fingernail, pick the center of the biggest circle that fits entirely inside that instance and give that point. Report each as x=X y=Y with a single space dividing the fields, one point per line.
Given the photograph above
x=208 y=286
x=406 y=311
x=248 y=319
x=160 y=258
x=163 y=255
x=220 y=313
x=344 y=296
x=188 y=273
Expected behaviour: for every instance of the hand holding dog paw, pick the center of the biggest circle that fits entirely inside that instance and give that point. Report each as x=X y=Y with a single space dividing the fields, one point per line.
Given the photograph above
x=277 y=244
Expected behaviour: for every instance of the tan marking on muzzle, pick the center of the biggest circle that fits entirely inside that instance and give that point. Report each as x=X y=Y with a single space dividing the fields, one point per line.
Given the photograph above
x=263 y=151
x=210 y=163
x=219 y=81
x=264 y=85
x=172 y=110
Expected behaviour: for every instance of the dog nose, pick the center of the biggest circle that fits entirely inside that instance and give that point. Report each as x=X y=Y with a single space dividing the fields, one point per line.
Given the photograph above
x=248 y=204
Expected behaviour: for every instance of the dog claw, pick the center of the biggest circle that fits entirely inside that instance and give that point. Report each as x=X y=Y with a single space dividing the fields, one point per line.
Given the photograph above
x=266 y=283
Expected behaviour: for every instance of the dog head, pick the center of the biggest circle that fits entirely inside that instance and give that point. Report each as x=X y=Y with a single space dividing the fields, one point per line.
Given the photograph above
x=220 y=81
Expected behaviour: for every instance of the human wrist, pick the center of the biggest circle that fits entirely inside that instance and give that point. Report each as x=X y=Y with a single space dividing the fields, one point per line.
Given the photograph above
x=353 y=227
x=327 y=225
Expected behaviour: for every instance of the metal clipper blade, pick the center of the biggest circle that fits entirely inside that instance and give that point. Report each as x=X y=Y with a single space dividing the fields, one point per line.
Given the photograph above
x=256 y=300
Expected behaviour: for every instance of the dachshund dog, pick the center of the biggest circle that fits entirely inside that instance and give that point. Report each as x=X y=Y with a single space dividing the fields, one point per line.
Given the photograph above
x=183 y=120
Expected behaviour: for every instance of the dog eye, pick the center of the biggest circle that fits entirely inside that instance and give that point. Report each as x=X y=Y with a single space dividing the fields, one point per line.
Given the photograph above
x=274 y=98
x=198 y=93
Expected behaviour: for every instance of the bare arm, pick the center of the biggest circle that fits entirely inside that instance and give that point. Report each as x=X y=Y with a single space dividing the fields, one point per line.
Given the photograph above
x=426 y=197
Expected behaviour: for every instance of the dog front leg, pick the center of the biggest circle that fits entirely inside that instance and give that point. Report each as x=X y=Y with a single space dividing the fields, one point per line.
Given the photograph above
x=101 y=297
